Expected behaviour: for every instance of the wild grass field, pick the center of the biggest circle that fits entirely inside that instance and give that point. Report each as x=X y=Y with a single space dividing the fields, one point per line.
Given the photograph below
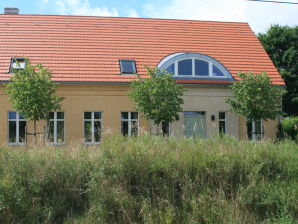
x=151 y=180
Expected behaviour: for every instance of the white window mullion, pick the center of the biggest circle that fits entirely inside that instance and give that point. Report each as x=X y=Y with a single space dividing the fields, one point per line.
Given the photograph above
x=193 y=67
x=55 y=127
x=129 y=124
x=92 y=126
x=210 y=69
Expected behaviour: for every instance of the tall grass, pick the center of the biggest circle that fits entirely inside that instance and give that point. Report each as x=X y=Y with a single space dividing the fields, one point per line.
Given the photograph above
x=151 y=180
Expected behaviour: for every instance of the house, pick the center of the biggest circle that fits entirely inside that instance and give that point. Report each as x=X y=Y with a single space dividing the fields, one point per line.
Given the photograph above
x=94 y=59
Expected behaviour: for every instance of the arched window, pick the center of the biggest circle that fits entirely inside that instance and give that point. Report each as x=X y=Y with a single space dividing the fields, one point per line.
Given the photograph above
x=194 y=66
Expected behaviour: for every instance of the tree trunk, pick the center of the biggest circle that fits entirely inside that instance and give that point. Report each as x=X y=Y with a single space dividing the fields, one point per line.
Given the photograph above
x=35 y=140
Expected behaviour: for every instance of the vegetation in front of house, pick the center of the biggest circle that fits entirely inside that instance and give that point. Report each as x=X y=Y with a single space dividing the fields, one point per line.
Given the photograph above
x=151 y=180
x=158 y=98
x=289 y=128
x=281 y=44
x=32 y=93
x=255 y=98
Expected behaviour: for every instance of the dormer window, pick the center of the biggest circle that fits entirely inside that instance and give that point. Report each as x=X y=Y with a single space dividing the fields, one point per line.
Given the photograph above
x=128 y=67
x=16 y=64
x=194 y=66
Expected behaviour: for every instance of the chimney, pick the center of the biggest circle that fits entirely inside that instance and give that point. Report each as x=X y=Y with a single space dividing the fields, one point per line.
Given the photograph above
x=9 y=10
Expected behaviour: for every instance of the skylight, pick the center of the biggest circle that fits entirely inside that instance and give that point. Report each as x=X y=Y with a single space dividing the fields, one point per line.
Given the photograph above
x=127 y=66
x=17 y=63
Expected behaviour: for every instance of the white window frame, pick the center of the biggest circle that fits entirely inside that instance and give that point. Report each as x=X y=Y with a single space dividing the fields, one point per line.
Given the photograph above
x=210 y=69
x=253 y=129
x=17 y=120
x=173 y=59
x=225 y=120
x=92 y=126
x=129 y=119
x=55 y=120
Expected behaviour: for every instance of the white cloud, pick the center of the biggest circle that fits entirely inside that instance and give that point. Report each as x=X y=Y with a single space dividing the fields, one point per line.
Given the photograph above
x=132 y=13
x=259 y=15
x=82 y=7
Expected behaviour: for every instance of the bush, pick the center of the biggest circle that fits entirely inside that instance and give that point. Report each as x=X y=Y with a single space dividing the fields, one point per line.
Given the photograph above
x=151 y=180
x=290 y=127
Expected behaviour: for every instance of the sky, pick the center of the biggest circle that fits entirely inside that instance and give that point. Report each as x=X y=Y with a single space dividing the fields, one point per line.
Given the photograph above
x=260 y=16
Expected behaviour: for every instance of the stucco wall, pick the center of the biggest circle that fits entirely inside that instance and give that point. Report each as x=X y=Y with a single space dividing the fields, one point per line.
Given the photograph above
x=111 y=100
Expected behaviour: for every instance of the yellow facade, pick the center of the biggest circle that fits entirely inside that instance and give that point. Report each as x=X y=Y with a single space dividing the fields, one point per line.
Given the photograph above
x=111 y=100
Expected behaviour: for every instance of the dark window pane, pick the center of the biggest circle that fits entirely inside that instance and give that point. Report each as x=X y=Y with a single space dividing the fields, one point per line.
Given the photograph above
x=12 y=115
x=124 y=115
x=97 y=131
x=51 y=131
x=165 y=128
x=22 y=131
x=222 y=115
x=201 y=68
x=194 y=113
x=60 y=131
x=51 y=114
x=12 y=131
x=134 y=128
x=258 y=127
x=134 y=115
x=185 y=67
x=97 y=115
x=60 y=115
x=217 y=72
x=124 y=127
x=87 y=115
x=127 y=67
x=171 y=69
x=222 y=125
x=87 y=131
x=21 y=116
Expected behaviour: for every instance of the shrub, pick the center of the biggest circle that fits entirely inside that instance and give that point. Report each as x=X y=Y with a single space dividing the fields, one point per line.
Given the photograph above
x=290 y=127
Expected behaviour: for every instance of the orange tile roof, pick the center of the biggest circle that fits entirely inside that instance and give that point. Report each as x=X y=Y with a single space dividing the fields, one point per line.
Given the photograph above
x=87 y=49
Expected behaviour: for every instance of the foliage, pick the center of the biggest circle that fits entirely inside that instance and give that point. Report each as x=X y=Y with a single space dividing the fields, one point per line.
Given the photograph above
x=157 y=97
x=290 y=127
x=255 y=97
x=281 y=43
x=32 y=92
x=151 y=180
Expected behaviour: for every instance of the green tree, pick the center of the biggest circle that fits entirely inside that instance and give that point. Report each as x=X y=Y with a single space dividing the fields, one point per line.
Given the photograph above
x=281 y=43
x=158 y=97
x=32 y=93
x=255 y=98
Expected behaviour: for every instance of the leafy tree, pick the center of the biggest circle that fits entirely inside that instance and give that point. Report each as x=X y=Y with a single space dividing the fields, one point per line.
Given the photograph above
x=281 y=43
x=255 y=98
x=32 y=93
x=157 y=97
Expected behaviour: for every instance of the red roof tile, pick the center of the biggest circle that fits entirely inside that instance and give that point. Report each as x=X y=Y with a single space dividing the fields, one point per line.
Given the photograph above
x=87 y=49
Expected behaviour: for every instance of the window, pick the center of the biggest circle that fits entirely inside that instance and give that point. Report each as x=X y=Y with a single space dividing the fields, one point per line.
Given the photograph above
x=56 y=128
x=16 y=128
x=128 y=67
x=129 y=123
x=194 y=65
x=16 y=64
x=255 y=130
x=222 y=122
x=165 y=126
x=92 y=127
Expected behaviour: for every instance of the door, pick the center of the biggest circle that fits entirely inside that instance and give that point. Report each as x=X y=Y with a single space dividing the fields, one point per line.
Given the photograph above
x=195 y=124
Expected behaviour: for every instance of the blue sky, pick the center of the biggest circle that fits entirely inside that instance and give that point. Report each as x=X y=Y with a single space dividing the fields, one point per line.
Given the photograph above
x=259 y=15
